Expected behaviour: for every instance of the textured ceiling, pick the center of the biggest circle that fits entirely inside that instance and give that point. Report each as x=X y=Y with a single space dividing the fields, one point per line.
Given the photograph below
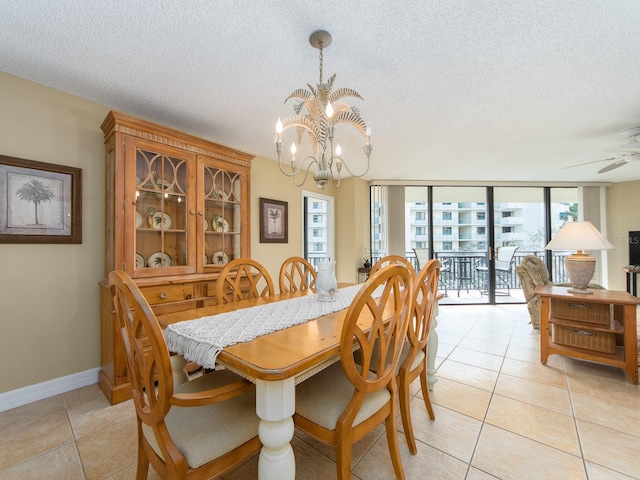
x=488 y=90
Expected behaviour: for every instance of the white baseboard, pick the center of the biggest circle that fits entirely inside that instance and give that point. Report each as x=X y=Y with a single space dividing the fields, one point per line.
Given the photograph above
x=39 y=391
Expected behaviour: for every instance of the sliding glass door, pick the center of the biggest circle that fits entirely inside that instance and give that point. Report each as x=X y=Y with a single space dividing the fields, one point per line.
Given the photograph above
x=479 y=234
x=460 y=242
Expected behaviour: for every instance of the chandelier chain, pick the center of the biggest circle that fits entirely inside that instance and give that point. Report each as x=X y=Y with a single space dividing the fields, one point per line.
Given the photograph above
x=321 y=62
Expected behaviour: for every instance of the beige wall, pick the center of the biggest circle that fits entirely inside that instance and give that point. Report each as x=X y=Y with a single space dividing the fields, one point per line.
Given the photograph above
x=49 y=293
x=624 y=216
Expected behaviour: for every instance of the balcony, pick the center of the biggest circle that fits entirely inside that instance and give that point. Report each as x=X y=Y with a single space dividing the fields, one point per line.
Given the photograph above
x=465 y=284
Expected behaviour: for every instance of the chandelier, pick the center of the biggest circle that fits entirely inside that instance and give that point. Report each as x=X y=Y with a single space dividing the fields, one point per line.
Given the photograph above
x=317 y=111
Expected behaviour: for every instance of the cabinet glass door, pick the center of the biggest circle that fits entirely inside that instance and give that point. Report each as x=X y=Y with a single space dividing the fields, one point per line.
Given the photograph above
x=161 y=211
x=222 y=216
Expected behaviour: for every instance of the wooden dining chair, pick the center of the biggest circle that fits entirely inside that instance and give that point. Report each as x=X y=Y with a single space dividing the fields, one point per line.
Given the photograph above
x=413 y=359
x=346 y=401
x=296 y=274
x=392 y=260
x=196 y=430
x=243 y=279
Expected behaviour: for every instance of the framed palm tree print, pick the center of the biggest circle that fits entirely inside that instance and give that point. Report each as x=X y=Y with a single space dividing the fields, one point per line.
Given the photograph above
x=274 y=221
x=39 y=202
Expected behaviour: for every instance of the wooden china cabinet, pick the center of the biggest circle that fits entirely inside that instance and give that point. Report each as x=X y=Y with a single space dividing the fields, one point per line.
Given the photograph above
x=177 y=211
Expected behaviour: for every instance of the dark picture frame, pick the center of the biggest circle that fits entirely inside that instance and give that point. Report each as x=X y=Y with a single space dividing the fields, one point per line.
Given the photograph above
x=274 y=221
x=39 y=202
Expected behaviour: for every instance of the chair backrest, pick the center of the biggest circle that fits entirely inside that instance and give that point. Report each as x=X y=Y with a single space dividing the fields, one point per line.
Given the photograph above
x=296 y=273
x=422 y=257
x=425 y=292
x=532 y=273
x=392 y=260
x=389 y=310
x=505 y=257
x=243 y=279
x=148 y=361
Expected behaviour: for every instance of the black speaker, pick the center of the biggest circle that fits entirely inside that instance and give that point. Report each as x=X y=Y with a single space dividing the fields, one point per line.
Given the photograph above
x=634 y=248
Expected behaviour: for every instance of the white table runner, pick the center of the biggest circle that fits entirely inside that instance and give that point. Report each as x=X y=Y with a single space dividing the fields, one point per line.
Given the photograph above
x=202 y=339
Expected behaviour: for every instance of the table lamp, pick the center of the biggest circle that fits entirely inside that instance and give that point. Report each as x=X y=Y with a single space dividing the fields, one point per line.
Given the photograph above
x=580 y=266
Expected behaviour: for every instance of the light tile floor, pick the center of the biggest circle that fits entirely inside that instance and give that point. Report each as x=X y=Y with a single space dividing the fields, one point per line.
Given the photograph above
x=499 y=414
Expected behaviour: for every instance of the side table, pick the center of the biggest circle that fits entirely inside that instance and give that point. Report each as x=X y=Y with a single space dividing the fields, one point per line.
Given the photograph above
x=363 y=274
x=588 y=318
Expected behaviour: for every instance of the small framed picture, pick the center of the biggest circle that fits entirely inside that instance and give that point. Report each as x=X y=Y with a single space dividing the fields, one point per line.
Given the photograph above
x=39 y=202
x=274 y=221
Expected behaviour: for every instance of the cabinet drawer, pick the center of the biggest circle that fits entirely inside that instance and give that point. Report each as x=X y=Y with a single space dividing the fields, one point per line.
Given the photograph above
x=584 y=338
x=167 y=293
x=581 y=311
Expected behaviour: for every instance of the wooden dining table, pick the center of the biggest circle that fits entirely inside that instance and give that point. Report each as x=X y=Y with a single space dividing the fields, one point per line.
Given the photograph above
x=276 y=362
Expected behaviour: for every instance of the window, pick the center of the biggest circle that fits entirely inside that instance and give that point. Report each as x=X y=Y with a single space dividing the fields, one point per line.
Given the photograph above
x=446 y=215
x=421 y=231
x=446 y=230
x=507 y=214
x=421 y=216
x=317 y=227
x=481 y=231
x=481 y=215
x=447 y=246
x=507 y=229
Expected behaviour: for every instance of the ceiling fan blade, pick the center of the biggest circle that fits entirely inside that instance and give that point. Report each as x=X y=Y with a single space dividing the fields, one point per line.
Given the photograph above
x=613 y=166
x=589 y=163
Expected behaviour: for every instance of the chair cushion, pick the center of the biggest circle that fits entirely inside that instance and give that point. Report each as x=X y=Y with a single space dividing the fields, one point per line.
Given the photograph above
x=205 y=433
x=323 y=397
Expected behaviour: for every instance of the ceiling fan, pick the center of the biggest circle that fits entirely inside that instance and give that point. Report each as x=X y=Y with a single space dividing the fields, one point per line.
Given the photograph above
x=630 y=157
x=630 y=152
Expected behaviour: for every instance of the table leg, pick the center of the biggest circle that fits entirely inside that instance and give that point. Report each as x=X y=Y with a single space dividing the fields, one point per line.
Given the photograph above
x=275 y=405
x=631 y=343
x=544 y=330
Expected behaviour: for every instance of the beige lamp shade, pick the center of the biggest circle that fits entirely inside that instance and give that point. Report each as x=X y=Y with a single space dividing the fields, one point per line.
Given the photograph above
x=579 y=236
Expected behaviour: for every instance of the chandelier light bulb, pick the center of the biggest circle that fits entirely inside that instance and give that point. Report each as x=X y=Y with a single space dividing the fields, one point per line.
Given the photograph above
x=329 y=110
x=293 y=148
x=279 y=126
x=338 y=150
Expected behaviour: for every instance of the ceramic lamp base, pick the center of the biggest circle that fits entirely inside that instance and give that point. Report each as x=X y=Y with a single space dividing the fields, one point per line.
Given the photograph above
x=580 y=268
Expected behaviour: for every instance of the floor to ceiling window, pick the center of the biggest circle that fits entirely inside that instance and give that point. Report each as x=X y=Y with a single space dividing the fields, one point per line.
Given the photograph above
x=479 y=234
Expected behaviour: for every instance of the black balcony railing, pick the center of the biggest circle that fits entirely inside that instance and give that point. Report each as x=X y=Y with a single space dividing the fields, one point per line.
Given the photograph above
x=461 y=269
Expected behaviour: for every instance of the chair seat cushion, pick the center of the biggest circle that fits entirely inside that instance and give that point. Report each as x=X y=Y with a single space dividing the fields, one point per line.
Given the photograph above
x=323 y=397
x=205 y=433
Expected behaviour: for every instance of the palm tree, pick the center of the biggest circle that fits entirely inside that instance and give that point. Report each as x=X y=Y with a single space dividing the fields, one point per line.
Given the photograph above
x=571 y=214
x=36 y=192
x=274 y=215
